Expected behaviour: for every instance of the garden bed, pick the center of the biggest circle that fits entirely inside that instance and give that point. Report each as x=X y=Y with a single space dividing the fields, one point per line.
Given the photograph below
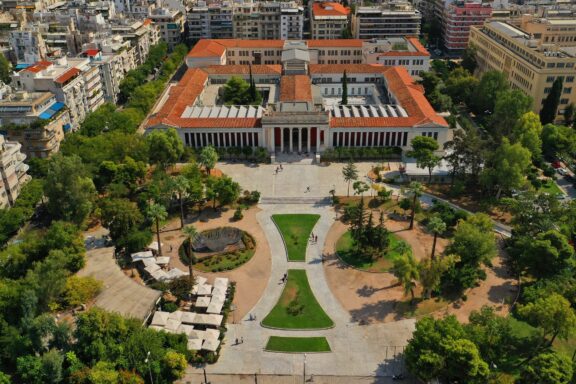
x=297 y=344
x=349 y=255
x=297 y=308
x=295 y=230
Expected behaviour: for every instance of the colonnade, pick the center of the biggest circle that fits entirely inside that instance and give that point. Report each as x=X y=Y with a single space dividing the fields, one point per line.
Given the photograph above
x=222 y=139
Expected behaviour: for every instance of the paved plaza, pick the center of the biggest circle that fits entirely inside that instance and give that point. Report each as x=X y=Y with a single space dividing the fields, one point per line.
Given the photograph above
x=357 y=350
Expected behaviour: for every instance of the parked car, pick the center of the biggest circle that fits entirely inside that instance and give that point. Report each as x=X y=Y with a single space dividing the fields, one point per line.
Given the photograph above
x=556 y=164
x=562 y=171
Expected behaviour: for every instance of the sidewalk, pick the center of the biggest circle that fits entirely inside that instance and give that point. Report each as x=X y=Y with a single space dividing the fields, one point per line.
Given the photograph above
x=285 y=379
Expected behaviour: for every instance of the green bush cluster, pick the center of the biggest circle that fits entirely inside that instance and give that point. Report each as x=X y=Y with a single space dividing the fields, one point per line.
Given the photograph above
x=11 y=220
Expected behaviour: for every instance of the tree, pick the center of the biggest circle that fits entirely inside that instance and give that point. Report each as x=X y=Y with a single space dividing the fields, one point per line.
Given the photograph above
x=103 y=373
x=350 y=173
x=527 y=131
x=360 y=187
x=5 y=70
x=81 y=289
x=430 y=272
x=191 y=234
x=157 y=213
x=181 y=187
x=430 y=82
x=544 y=255
x=460 y=85
x=557 y=139
x=548 y=368
x=237 y=91
x=510 y=106
x=423 y=150
x=120 y=217
x=70 y=192
x=491 y=83
x=506 y=168
x=415 y=190
x=553 y=315
x=344 y=89
x=469 y=61
x=227 y=190
x=551 y=102
x=165 y=147
x=4 y=378
x=406 y=271
x=436 y=226
x=175 y=365
x=208 y=158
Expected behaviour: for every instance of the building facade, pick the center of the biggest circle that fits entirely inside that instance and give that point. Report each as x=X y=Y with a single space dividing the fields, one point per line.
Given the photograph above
x=171 y=25
x=457 y=17
x=13 y=172
x=328 y=20
x=35 y=120
x=559 y=31
x=301 y=110
x=529 y=65
x=404 y=51
x=386 y=20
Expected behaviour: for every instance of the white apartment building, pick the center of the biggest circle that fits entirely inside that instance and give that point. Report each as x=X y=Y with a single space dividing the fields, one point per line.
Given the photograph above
x=28 y=45
x=328 y=20
x=142 y=36
x=171 y=23
x=75 y=83
x=13 y=172
x=291 y=21
x=386 y=20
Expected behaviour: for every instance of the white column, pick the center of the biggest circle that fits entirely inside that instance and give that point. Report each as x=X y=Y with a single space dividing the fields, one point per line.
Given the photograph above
x=299 y=139
x=317 y=139
x=242 y=138
x=337 y=139
x=281 y=140
x=228 y=139
x=217 y=141
x=309 y=133
x=291 y=144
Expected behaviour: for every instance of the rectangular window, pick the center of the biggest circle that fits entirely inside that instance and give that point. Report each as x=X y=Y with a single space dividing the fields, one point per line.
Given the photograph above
x=564 y=101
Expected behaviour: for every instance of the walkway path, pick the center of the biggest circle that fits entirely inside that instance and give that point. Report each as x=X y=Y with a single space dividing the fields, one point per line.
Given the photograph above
x=357 y=350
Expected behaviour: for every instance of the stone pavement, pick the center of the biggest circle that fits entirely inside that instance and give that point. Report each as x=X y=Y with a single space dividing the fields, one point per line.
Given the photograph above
x=291 y=379
x=357 y=350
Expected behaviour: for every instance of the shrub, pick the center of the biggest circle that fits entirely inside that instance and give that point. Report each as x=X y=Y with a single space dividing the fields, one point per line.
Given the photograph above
x=169 y=307
x=79 y=290
x=238 y=215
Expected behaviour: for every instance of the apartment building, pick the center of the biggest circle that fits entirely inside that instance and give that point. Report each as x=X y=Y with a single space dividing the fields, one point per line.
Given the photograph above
x=529 y=64
x=328 y=20
x=210 y=21
x=28 y=45
x=559 y=31
x=403 y=51
x=456 y=18
x=141 y=34
x=36 y=120
x=386 y=20
x=269 y=52
x=171 y=23
x=74 y=81
x=13 y=171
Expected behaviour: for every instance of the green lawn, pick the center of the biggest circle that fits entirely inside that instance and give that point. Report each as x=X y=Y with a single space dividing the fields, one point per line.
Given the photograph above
x=551 y=187
x=297 y=308
x=345 y=250
x=296 y=229
x=297 y=344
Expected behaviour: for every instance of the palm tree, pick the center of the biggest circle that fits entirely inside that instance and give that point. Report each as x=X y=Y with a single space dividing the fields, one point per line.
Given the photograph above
x=415 y=189
x=406 y=271
x=180 y=184
x=157 y=213
x=436 y=226
x=191 y=234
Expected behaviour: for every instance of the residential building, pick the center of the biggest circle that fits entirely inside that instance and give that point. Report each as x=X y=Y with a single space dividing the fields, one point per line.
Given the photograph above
x=456 y=18
x=142 y=36
x=35 y=120
x=255 y=52
x=13 y=171
x=530 y=65
x=210 y=21
x=28 y=45
x=301 y=110
x=74 y=81
x=395 y=19
x=328 y=20
x=171 y=23
x=405 y=51
x=559 y=31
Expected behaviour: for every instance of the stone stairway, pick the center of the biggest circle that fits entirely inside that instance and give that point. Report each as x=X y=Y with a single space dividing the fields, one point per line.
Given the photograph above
x=296 y=200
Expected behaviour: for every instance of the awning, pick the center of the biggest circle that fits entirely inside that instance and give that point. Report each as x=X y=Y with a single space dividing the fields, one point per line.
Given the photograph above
x=54 y=108
x=57 y=106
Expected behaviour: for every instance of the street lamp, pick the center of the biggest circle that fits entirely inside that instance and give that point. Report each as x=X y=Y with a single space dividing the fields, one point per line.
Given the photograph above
x=205 y=377
x=147 y=361
x=304 y=371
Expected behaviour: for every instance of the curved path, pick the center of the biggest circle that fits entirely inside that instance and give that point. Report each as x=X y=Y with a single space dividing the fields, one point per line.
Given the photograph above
x=356 y=350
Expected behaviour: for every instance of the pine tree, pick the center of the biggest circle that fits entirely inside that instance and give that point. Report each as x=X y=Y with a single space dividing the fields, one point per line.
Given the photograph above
x=252 y=89
x=550 y=106
x=345 y=89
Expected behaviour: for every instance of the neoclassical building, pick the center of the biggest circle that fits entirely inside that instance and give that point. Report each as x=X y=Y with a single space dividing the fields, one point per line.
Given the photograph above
x=302 y=110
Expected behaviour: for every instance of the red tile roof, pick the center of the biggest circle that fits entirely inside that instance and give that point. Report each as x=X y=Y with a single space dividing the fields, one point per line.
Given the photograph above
x=420 y=50
x=268 y=69
x=72 y=72
x=330 y=9
x=295 y=88
x=91 y=52
x=207 y=48
x=349 y=68
x=217 y=47
x=38 y=67
x=418 y=45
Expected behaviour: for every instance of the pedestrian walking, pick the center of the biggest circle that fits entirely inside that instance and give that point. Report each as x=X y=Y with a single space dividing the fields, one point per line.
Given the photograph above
x=236 y=341
x=281 y=167
x=242 y=340
x=316 y=238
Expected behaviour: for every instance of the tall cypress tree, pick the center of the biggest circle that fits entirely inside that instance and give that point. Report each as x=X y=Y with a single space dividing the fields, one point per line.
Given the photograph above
x=252 y=89
x=550 y=106
x=344 y=89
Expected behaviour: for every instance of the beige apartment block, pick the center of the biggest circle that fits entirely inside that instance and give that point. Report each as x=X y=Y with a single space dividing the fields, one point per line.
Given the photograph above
x=559 y=31
x=529 y=64
x=35 y=120
x=328 y=20
x=12 y=172
x=171 y=23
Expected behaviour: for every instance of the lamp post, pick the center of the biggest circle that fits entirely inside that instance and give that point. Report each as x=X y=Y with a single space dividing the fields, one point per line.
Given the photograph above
x=147 y=361
x=205 y=377
x=304 y=371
